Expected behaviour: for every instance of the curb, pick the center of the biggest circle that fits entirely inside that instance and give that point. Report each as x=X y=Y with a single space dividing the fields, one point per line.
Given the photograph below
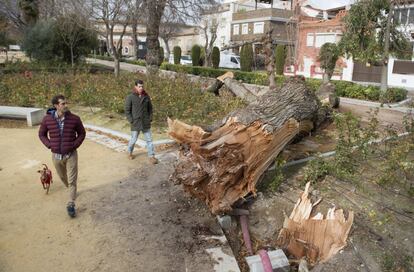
x=126 y=137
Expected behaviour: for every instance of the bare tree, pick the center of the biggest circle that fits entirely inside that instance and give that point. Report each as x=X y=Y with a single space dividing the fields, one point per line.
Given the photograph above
x=188 y=9
x=169 y=28
x=209 y=27
x=115 y=15
x=137 y=17
x=10 y=10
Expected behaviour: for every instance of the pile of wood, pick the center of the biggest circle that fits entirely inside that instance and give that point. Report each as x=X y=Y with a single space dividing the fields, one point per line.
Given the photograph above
x=313 y=236
x=223 y=165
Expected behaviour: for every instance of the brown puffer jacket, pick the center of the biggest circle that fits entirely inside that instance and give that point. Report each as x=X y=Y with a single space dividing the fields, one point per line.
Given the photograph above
x=72 y=136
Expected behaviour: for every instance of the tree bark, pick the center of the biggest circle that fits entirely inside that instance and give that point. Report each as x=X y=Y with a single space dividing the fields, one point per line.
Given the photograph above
x=270 y=59
x=135 y=38
x=155 y=10
x=224 y=165
x=384 y=70
x=167 y=48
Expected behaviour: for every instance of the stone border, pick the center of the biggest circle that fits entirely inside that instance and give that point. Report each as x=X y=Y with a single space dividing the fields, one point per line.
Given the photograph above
x=125 y=136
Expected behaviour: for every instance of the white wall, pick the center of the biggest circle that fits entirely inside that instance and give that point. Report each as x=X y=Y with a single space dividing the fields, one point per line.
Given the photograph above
x=347 y=72
x=399 y=80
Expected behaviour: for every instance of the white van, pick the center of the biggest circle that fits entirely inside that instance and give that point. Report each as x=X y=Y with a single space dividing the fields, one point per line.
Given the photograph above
x=229 y=61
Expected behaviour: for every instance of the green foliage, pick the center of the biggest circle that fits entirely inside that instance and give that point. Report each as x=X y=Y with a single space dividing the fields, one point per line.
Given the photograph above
x=137 y=62
x=259 y=78
x=280 y=58
x=40 y=41
x=365 y=27
x=202 y=56
x=278 y=176
x=372 y=93
x=313 y=84
x=179 y=98
x=47 y=40
x=246 y=58
x=177 y=54
x=71 y=33
x=394 y=95
x=161 y=55
x=316 y=170
x=195 y=54
x=328 y=55
x=353 y=146
x=215 y=57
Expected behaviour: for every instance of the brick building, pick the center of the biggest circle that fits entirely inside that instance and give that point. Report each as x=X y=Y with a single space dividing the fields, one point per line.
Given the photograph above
x=312 y=34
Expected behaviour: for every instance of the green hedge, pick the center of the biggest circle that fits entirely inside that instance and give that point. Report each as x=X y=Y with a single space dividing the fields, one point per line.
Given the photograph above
x=109 y=58
x=343 y=88
x=259 y=78
x=372 y=93
x=137 y=62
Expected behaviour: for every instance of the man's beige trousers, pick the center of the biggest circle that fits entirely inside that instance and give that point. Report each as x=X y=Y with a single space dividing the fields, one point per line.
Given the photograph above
x=67 y=169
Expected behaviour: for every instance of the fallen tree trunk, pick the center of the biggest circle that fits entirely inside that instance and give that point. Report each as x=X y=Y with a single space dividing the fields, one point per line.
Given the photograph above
x=237 y=88
x=224 y=165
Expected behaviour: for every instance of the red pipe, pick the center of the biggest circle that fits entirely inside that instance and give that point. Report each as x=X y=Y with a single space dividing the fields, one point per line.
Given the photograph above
x=246 y=235
x=267 y=265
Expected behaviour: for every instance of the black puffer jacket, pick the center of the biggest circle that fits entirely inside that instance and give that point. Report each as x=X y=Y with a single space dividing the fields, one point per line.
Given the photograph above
x=138 y=110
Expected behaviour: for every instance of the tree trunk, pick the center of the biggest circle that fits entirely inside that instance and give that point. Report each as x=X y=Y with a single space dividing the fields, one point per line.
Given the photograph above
x=116 y=65
x=384 y=70
x=167 y=48
x=326 y=77
x=270 y=60
x=224 y=165
x=135 y=38
x=155 y=11
x=72 y=57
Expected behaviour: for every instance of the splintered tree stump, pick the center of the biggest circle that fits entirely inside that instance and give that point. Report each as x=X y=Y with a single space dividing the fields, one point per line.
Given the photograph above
x=224 y=165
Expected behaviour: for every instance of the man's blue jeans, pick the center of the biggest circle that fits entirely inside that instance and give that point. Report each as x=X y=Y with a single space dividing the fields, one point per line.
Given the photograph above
x=148 y=139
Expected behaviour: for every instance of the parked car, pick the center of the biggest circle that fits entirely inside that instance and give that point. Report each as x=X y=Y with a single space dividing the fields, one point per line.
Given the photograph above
x=229 y=61
x=185 y=60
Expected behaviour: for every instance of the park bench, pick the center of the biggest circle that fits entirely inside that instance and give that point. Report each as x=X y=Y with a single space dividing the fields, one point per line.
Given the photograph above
x=33 y=116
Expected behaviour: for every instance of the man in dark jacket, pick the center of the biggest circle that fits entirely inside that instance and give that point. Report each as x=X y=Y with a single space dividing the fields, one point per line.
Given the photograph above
x=63 y=132
x=138 y=110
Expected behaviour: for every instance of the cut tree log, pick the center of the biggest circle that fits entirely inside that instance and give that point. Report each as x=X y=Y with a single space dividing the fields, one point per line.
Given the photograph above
x=237 y=88
x=316 y=238
x=224 y=165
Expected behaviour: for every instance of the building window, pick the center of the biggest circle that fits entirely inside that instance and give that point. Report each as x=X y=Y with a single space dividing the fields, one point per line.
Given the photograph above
x=321 y=39
x=236 y=30
x=222 y=39
x=245 y=29
x=411 y=16
x=258 y=27
x=309 y=40
x=404 y=16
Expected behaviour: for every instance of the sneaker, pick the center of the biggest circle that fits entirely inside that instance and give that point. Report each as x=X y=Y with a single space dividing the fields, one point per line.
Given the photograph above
x=71 y=209
x=153 y=160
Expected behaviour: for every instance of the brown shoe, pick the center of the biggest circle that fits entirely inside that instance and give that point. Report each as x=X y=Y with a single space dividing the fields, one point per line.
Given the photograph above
x=153 y=160
x=130 y=156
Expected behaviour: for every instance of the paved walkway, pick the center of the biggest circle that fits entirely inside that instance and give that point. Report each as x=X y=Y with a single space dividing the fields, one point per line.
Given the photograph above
x=130 y=218
x=124 y=66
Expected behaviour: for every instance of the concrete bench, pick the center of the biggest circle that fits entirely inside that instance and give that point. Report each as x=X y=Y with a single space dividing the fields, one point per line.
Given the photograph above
x=33 y=116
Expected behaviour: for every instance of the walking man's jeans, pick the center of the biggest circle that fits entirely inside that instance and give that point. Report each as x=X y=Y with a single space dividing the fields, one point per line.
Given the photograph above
x=148 y=139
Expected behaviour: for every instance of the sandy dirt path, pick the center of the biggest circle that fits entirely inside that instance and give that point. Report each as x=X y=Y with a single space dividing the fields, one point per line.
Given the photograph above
x=130 y=218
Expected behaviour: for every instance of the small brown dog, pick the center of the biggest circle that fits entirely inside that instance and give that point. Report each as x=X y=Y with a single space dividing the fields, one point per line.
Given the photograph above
x=45 y=177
